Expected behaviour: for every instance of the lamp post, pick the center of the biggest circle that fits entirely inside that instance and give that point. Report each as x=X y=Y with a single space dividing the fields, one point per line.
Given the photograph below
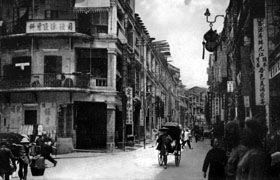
x=207 y=14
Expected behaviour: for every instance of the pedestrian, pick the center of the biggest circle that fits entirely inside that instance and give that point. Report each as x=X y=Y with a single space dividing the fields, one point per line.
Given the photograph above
x=216 y=160
x=186 y=138
x=24 y=161
x=164 y=144
x=253 y=164
x=45 y=144
x=7 y=161
x=155 y=136
x=235 y=149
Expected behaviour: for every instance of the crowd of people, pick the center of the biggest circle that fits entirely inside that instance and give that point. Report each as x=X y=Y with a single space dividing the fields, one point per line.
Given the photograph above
x=18 y=155
x=244 y=153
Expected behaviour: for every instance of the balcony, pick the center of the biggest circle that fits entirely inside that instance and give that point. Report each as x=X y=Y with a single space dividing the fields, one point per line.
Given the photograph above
x=54 y=82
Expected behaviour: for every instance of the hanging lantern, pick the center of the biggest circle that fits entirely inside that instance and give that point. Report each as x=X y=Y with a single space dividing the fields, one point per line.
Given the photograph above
x=211 y=40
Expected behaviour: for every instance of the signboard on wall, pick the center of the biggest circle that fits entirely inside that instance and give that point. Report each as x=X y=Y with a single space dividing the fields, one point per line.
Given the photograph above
x=50 y=26
x=261 y=61
x=210 y=103
x=129 y=105
x=246 y=101
x=141 y=117
x=230 y=86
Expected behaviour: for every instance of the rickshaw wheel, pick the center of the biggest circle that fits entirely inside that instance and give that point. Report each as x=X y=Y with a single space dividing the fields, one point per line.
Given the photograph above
x=177 y=158
x=160 y=159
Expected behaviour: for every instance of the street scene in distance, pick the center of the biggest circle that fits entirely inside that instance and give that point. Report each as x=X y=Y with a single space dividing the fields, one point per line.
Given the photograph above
x=139 y=89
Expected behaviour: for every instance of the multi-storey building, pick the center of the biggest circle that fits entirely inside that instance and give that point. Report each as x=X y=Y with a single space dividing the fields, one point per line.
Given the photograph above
x=196 y=106
x=250 y=49
x=68 y=67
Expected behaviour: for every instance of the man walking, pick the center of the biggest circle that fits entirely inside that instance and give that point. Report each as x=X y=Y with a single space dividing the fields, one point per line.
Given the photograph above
x=216 y=160
x=46 y=147
x=6 y=157
x=186 y=138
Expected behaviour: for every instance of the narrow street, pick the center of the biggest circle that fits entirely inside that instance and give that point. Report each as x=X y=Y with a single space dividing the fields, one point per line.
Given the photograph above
x=140 y=164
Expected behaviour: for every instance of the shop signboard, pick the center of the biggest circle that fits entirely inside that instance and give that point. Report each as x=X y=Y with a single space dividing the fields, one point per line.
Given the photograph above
x=57 y=26
x=261 y=61
x=230 y=86
x=129 y=105
x=246 y=101
x=141 y=117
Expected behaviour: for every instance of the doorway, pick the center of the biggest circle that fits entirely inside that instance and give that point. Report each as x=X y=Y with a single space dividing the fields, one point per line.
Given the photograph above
x=91 y=125
x=30 y=117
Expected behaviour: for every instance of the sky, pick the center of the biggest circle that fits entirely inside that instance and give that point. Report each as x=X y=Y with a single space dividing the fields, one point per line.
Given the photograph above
x=182 y=24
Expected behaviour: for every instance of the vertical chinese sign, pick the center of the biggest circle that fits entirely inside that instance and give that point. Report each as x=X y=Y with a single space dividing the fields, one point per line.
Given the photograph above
x=129 y=106
x=210 y=104
x=261 y=62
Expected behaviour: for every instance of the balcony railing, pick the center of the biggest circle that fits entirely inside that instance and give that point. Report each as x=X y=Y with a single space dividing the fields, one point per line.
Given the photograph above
x=53 y=80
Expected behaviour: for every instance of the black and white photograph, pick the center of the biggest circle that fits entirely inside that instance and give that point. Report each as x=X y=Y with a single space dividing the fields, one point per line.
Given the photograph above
x=139 y=89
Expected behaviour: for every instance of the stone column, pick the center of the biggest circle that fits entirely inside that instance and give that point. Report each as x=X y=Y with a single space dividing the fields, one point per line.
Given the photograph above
x=112 y=69
x=112 y=29
x=111 y=118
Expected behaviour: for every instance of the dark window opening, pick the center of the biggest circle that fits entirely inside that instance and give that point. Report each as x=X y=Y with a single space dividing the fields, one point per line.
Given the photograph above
x=52 y=70
x=51 y=14
x=94 y=63
x=93 y=23
x=30 y=117
x=20 y=68
x=53 y=64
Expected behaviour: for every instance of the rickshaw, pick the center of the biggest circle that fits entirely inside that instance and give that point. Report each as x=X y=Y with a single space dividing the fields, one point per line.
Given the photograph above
x=174 y=130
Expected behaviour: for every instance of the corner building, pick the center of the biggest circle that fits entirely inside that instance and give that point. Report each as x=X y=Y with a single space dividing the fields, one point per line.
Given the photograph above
x=59 y=69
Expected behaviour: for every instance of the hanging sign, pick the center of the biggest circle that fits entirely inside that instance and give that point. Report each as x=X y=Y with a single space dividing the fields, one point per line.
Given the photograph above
x=230 y=86
x=141 y=117
x=261 y=61
x=246 y=101
x=129 y=105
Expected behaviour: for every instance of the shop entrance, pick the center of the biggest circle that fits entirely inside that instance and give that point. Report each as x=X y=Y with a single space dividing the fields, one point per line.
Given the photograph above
x=30 y=117
x=91 y=125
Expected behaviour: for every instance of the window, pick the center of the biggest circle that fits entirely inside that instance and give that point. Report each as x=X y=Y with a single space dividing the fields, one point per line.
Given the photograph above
x=53 y=70
x=51 y=14
x=94 y=62
x=53 y=64
x=21 y=67
x=100 y=18
x=100 y=22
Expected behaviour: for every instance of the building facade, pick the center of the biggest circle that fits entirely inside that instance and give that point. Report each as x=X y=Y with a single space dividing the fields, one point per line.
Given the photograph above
x=249 y=52
x=196 y=99
x=77 y=70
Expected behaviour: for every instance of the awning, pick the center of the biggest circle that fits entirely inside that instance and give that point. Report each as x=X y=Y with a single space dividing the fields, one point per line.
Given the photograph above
x=86 y=6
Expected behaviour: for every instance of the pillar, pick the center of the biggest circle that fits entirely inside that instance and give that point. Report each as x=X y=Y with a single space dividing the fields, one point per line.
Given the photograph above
x=111 y=120
x=112 y=69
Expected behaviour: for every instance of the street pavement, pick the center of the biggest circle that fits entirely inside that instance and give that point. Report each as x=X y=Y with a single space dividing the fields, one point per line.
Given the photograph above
x=133 y=164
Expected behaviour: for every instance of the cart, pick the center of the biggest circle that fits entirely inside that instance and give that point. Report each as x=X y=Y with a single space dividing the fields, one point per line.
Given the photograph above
x=174 y=130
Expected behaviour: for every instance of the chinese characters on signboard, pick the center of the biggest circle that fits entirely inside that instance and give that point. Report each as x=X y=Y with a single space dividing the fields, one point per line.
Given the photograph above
x=210 y=103
x=129 y=105
x=50 y=26
x=230 y=86
x=261 y=61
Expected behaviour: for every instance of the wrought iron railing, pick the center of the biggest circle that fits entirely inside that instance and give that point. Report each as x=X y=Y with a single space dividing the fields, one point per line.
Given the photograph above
x=77 y=80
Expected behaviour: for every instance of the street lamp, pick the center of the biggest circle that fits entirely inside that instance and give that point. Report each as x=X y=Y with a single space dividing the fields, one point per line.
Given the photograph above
x=211 y=38
x=207 y=14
